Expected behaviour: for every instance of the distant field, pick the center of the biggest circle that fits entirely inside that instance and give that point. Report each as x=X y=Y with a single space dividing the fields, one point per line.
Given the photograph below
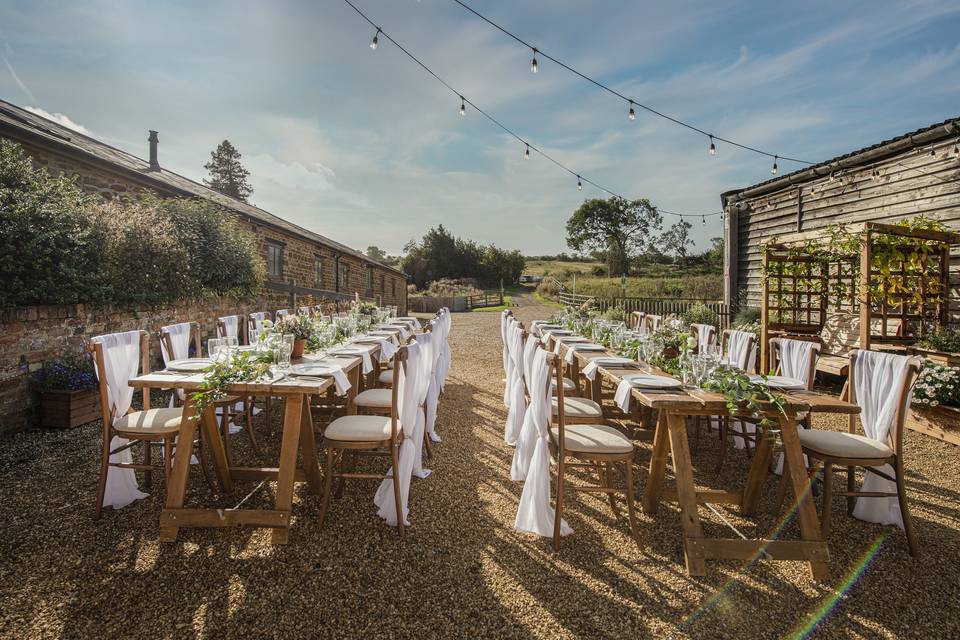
x=657 y=281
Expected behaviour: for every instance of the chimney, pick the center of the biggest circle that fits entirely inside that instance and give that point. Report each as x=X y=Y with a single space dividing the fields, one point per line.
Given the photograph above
x=154 y=163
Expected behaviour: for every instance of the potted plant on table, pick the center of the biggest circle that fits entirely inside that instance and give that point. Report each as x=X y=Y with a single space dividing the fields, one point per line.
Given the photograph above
x=68 y=392
x=300 y=326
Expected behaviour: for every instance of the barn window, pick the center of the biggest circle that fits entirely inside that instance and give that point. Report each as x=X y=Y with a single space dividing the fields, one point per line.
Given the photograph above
x=274 y=260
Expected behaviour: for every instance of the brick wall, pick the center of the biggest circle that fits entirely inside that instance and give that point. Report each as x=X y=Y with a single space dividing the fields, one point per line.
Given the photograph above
x=32 y=335
x=299 y=253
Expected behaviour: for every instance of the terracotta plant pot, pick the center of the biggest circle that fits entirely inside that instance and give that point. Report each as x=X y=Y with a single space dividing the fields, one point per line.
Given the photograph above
x=68 y=409
x=298 y=347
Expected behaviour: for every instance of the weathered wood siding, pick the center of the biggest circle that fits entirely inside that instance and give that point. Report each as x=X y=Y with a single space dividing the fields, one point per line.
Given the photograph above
x=908 y=184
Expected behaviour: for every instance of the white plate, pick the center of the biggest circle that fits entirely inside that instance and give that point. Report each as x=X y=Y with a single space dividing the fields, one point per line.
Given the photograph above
x=572 y=339
x=313 y=369
x=780 y=382
x=607 y=362
x=189 y=364
x=589 y=346
x=649 y=381
x=559 y=332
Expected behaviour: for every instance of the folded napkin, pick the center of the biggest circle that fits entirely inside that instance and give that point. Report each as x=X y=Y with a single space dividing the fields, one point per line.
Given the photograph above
x=388 y=335
x=339 y=378
x=364 y=355
x=577 y=346
x=387 y=347
x=622 y=397
x=590 y=370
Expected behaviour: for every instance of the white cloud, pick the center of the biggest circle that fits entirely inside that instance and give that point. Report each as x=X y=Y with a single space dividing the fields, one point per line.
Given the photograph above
x=61 y=119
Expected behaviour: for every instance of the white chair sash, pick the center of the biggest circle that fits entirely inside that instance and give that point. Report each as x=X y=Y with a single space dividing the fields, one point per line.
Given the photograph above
x=230 y=328
x=706 y=334
x=532 y=458
x=795 y=359
x=737 y=349
x=518 y=402
x=878 y=378
x=121 y=361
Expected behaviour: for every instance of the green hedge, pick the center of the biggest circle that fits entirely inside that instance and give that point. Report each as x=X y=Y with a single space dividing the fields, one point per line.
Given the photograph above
x=59 y=245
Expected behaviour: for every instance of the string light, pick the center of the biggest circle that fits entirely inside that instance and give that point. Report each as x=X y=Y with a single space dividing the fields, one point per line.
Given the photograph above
x=616 y=93
x=704 y=218
x=713 y=147
x=527 y=145
x=773 y=169
x=633 y=114
x=376 y=39
x=463 y=106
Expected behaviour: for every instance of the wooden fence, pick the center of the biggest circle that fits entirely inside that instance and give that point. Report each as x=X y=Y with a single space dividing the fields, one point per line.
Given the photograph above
x=657 y=306
x=485 y=300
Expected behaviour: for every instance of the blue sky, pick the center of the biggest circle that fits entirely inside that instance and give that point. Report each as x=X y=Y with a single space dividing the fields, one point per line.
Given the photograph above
x=365 y=147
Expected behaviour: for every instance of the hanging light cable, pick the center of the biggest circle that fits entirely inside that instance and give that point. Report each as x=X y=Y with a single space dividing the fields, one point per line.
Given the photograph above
x=526 y=154
x=633 y=114
x=533 y=63
x=713 y=147
x=376 y=39
x=579 y=184
x=463 y=106
x=773 y=169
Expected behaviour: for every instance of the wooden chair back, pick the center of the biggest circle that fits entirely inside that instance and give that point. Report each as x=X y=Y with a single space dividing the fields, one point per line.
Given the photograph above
x=399 y=361
x=776 y=345
x=222 y=327
x=711 y=333
x=652 y=322
x=841 y=331
x=96 y=349
x=635 y=320
x=742 y=360
x=895 y=436
x=282 y=312
x=305 y=311
x=167 y=340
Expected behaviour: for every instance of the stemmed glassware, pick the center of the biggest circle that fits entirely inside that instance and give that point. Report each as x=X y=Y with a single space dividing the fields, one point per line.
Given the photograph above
x=644 y=353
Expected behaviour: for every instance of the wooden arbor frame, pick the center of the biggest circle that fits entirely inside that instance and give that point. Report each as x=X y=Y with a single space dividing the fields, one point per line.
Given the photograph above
x=798 y=291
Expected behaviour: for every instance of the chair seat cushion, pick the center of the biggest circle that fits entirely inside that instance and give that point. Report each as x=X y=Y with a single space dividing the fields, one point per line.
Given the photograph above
x=577 y=408
x=379 y=398
x=358 y=429
x=568 y=385
x=386 y=377
x=839 y=444
x=593 y=438
x=150 y=422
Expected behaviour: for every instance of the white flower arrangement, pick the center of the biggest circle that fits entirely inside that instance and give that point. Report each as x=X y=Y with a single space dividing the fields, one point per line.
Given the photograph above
x=937 y=385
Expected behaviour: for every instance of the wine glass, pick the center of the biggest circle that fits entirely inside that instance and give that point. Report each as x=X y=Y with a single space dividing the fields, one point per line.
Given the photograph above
x=644 y=354
x=214 y=347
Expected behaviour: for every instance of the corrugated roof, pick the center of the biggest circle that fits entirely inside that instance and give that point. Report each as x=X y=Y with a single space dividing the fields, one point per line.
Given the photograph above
x=790 y=178
x=73 y=142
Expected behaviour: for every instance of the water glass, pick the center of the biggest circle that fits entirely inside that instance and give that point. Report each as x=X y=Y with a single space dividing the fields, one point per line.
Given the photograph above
x=214 y=347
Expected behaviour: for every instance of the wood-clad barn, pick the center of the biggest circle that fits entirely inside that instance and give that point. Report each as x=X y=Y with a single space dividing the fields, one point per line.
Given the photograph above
x=915 y=173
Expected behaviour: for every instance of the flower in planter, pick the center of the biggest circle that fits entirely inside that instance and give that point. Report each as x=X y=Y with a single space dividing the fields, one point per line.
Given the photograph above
x=68 y=373
x=937 y=385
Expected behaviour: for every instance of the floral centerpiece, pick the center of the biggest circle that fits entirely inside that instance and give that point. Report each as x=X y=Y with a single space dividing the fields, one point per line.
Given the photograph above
x=301 y=327
x=67 y=389
x=242 y=366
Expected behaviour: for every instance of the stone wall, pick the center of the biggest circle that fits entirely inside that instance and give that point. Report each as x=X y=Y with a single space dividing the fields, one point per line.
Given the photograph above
x=32 y=335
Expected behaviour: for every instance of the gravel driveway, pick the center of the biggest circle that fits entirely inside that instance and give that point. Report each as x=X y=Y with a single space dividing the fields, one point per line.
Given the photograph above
x=462 y=571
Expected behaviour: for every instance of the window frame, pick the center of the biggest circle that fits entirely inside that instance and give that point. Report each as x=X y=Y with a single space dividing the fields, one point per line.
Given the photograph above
x=276 y=248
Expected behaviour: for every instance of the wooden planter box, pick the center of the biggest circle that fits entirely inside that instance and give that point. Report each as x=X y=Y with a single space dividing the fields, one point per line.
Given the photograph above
x=937 y=357
x=68 y=409
x=942 y=423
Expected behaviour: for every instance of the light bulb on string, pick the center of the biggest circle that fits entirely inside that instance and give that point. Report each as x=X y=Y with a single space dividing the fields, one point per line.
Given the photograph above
x=376 y=39
x=526 y=153
x=533 y=63
x=773 y=169
x=463 y=106
x=704 y=218
x=713 y=147
x=579 y=184
x=633 y=114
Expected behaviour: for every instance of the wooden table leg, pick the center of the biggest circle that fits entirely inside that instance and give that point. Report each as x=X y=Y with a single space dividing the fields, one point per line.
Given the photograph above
x=177 y=487
x=759 y=470
x=658 y=465
x=308 y=449
x=213 y=438
x=596 y=389
x=292 y=416
x=354 y=377
x=806 y=511
x=687 y=495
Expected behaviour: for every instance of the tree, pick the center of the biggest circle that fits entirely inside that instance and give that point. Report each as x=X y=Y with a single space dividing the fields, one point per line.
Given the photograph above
x=376 y=253
x=677 y=239
x=227 y=175
x=620 y=228
x=442 y=255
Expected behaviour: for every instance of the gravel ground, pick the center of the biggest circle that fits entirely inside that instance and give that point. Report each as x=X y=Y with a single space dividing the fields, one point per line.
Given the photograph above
x=462 y=570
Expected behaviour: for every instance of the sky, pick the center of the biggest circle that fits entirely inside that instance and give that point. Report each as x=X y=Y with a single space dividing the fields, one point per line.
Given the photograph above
x=367 y=148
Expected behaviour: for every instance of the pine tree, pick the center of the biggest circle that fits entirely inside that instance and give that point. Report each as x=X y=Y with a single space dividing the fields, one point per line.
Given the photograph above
x=227 y=175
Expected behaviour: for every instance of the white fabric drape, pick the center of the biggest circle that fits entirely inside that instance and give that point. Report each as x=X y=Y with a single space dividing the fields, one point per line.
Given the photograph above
x=180 y=343
x=433 y=391
x=505 y=318
x=878 y=380
x=795 y=358
x=737 y=346
x=532 y=463
x=121 y=361
x=411 y=391
x=706 y=334
x=518 y=401
x=578 y=346
x=230 y=328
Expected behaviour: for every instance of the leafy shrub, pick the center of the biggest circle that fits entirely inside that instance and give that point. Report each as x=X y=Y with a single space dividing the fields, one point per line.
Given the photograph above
x=942 y=339
x=701 y=314
x=599 y=270
x=615 y=313
x=49 y=249
x=747 y=316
